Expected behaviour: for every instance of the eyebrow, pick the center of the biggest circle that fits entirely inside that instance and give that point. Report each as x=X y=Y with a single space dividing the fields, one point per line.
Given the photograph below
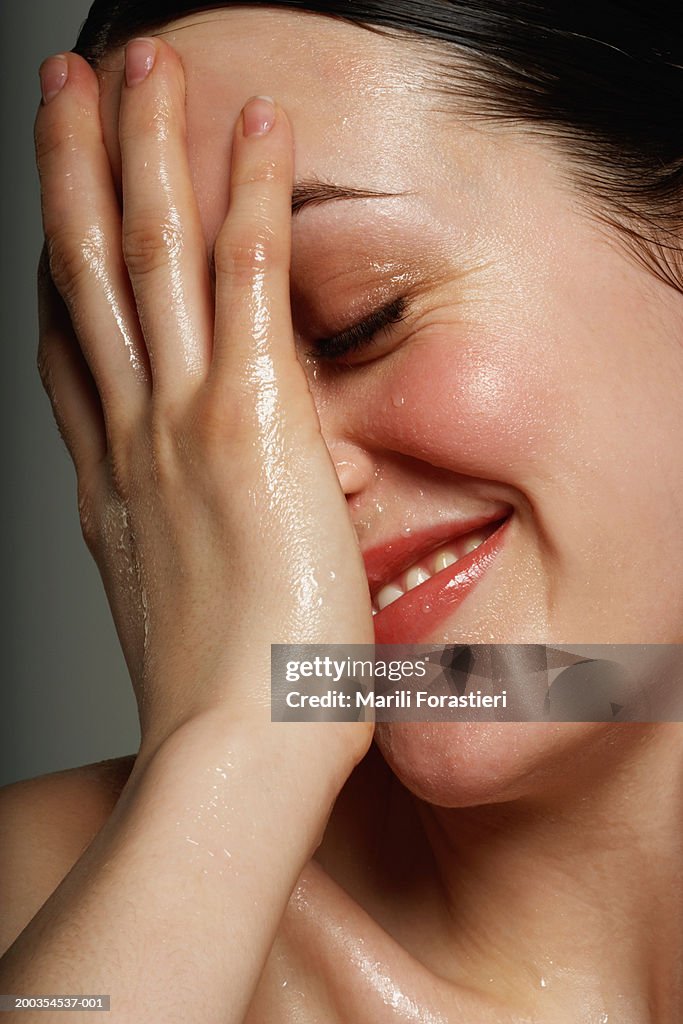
x=314 y=192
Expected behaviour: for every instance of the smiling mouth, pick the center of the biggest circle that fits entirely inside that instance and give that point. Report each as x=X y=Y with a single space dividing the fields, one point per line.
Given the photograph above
x=429 y=565
x=417 y=582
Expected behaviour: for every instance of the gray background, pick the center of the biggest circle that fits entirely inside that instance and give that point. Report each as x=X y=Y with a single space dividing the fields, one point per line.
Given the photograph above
x=66 y=698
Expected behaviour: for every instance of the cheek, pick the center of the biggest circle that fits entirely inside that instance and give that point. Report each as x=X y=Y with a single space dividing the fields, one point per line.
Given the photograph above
x=468 y=404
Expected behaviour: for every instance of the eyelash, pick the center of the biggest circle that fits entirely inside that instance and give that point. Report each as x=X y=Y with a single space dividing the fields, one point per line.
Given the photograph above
x=359 y=336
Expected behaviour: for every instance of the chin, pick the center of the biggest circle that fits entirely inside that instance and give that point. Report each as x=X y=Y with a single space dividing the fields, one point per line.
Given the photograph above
x=465 y=764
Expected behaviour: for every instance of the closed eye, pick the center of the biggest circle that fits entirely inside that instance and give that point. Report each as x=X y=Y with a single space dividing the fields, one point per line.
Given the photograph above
x=359 y=336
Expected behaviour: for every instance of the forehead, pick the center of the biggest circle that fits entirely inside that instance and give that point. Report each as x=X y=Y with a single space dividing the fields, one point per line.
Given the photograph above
x=358 y=101
x=362 y=105
x=345 y=89
x=368 y=112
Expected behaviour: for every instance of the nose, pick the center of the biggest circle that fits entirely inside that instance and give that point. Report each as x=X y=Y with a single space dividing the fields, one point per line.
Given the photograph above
x=355 y=468
x=337 y=411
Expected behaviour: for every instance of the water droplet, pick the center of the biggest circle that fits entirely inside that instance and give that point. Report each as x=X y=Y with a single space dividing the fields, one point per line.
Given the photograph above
x=544 y=983
x=398 y=400
x=407 y=530
x=333 y=574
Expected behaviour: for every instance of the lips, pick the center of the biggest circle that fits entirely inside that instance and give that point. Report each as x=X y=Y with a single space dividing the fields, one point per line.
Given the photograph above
x=437 y=568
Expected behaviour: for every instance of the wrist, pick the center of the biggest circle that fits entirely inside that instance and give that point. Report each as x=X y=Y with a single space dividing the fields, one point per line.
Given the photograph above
x=297 y=761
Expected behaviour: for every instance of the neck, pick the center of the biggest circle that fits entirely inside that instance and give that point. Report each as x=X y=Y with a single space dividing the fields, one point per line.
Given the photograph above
x=575 y=900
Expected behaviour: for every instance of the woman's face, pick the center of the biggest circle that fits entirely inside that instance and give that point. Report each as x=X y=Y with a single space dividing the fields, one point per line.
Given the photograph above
x=537 y=373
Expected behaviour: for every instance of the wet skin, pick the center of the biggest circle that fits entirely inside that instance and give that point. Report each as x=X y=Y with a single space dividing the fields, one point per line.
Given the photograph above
x=524 y=375
x=538 y=369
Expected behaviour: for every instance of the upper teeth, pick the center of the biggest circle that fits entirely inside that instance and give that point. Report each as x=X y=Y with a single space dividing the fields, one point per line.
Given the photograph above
x=427 y=567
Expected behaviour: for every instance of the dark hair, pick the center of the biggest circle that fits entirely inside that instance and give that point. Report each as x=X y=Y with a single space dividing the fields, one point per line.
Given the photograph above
x=602 y=78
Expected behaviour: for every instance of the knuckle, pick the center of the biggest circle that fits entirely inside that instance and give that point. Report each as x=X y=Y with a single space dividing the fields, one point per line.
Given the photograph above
x=51 y=137
x=245 y=251
x=150 y=245
x=240 y=259
x=258 y=175
x=68 y=261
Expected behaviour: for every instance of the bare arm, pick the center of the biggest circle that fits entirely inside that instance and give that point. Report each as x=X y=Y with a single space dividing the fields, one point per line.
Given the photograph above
x=194 y=436
x=173 y=907
x=46 y=824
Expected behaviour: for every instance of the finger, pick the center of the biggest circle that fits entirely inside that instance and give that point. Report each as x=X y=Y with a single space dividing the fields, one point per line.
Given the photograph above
x=253 y=323
x=83 y=234
x=163 y=242
x=67 y=379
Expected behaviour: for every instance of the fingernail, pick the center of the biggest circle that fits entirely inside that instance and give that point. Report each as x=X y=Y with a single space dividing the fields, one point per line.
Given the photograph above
x=53 y=75
x=258 y=115
x=140 y=56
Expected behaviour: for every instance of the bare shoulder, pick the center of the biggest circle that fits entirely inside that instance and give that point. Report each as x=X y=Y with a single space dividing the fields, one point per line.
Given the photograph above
x=46 y=823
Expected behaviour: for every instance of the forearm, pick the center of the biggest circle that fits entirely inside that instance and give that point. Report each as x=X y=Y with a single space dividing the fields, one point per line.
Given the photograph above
x=201 y=439
x=174 y=906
